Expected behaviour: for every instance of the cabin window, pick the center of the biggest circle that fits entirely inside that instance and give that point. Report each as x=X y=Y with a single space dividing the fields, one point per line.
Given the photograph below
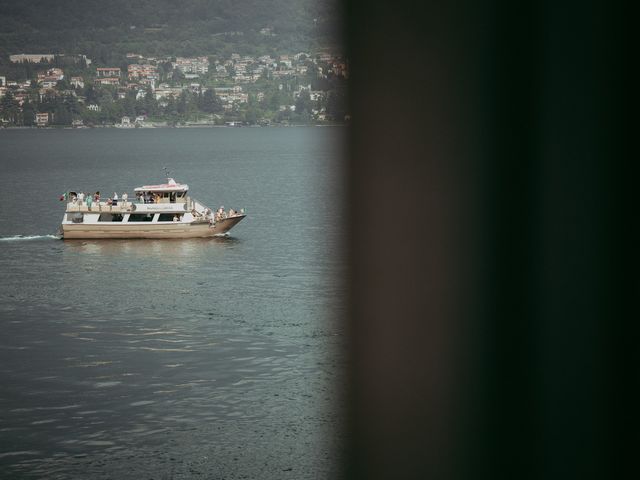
x=108 y=217
x=166 y=217
x=141 y=217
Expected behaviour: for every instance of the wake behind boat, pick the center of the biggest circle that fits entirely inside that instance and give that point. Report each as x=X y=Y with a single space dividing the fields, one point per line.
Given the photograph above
x=158 y=211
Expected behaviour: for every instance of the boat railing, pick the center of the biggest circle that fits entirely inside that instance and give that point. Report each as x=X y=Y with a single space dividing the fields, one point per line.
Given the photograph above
x=120 y=207
x=199 y=210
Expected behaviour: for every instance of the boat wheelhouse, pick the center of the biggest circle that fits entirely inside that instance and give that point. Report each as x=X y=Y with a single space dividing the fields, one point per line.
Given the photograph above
x=157 y=211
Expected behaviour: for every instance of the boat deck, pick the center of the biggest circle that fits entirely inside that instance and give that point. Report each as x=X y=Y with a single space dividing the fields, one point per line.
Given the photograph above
x=126 y=207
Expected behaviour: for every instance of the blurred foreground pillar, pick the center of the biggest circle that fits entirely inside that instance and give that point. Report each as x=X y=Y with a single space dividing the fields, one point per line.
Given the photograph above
x=487 y=183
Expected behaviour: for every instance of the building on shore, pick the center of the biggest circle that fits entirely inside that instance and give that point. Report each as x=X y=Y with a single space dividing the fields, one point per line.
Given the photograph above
x=108 y=72
x=42 y=119
x=31 y=57
x=198 y=65
x=107 y=81
x=136 y=71
x=77 y=82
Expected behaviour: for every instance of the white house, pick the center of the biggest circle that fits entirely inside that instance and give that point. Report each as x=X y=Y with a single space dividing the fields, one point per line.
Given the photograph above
x=42 y=119
x=77 y=82
x=31 y=57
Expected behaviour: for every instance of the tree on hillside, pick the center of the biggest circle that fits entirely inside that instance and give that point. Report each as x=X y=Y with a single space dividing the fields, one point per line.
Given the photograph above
x=28 y=113
x=9 y=108
x=303 y=102
x=62 y=85
x=91 y=95
x=210 y=102
x=150 y=103
x=177 y=76
x=61 y=113
x=336 y=105
x=129 y=104
x=181 y=106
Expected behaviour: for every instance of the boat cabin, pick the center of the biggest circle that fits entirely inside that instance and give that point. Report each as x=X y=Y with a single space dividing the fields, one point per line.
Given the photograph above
x=170 y=192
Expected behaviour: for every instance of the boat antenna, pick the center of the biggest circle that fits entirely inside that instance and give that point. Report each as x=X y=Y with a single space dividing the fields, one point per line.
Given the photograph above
x=167 y=172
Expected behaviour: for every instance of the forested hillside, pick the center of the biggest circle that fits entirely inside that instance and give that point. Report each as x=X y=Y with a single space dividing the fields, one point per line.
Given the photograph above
x=101 y=29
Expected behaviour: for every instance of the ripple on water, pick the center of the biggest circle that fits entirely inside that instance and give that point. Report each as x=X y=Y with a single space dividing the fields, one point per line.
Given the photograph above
x=141 y=403
x=110 y=384
x=19 y=453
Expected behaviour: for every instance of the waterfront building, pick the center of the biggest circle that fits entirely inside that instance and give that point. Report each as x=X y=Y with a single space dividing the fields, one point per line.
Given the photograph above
x=107 y=81
x=108 y=72
x=165 y=91
x=42 y=119
x=198 y=65
x=31 y=57
x=77 y=82
x=146 y=71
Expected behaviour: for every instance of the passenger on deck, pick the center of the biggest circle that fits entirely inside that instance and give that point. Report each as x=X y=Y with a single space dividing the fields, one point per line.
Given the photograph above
x=115 y=199
x=176 y=218
x=81 y=197
x=89 y=201
x=125 y=197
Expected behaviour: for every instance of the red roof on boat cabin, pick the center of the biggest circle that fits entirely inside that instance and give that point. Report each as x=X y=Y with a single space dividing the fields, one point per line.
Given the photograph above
x=170 y=186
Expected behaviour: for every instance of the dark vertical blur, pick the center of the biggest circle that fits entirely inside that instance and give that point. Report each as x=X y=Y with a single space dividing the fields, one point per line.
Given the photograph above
x=489 y=230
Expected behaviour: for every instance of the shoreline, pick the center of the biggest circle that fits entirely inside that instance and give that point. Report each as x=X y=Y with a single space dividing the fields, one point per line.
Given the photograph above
x=146 y=127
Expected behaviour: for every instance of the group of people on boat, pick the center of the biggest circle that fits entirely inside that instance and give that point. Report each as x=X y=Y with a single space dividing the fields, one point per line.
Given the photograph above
x=149 y=197
x=88 y=199
x=81 y=198
x=221 y=214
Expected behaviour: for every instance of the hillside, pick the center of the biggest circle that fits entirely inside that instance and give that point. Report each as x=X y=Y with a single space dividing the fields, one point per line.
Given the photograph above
x=166 y=27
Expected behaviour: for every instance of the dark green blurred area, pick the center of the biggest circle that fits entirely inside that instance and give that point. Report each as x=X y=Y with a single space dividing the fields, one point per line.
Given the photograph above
x=492 y=232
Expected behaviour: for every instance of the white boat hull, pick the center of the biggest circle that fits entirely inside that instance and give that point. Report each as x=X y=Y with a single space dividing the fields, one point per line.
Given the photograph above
x=149 y=230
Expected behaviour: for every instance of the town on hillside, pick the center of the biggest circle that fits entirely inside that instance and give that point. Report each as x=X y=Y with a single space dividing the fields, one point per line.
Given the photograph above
x=70 y=90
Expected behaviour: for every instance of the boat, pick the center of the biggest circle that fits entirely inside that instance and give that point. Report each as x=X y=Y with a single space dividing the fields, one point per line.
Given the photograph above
x=158 y=211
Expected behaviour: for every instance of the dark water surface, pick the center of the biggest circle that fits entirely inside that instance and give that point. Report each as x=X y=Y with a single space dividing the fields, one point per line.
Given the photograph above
x=202 y=358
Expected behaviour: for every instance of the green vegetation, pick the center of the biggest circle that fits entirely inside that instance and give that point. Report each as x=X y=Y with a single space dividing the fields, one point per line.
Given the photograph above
x=301 y=98
x=106 y=31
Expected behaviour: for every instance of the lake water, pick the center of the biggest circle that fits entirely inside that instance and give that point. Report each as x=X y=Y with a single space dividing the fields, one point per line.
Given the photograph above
x=203 y=358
